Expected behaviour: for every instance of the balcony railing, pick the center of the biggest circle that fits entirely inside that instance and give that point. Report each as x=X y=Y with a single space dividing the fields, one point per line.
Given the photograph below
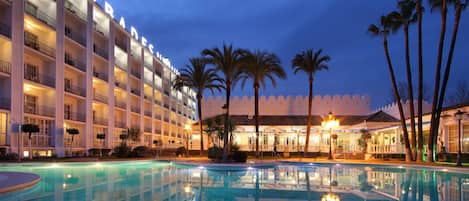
x=32 y=10
x=75 y=116
x=100 y=97
x=166 y=119
x=74 y=10
x=75 y=90
x=100 y=51
x=147 y=129
x=39 y=78
x=157 y=116
x=157 y=102
x=135 y=109
x=148 y=97
x=5 y=103
x=147 y=113
x=135 y=91
x=40 y=110
x=75 y=36
x=157 y=131
x=100 y=75
x=75 y=62
x=120 y=63
x=122 y=44
x=121 y=85
x=119 y=124
x=120 y=104
x=166 y=106
x=5 y=67
x=31 y=41
x=100 y=120
x=5 y=30
x=135 y=72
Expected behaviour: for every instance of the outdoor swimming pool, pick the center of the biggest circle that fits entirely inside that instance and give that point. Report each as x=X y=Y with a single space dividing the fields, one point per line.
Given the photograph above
x=149 y=180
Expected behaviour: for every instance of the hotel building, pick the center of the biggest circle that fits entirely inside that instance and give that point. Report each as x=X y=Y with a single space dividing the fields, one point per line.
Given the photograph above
x=70 y=64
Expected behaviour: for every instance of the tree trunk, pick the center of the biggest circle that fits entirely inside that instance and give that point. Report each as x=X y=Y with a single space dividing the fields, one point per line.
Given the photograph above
x=410 y=91
x=308 y=124
x=227 y=114
x=420 y=83
x=433 y=121
x=447 y=69
x=199 y=110
x=256 y=115
x=409 y=156
x=71 y=148
x=30 y=148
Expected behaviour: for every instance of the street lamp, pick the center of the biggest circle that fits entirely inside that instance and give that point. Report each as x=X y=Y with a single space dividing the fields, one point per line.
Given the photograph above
x=459 y=116
x=330 y=124
x=187 y=128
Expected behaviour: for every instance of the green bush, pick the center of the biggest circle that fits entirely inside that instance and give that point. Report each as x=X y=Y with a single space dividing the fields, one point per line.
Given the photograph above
x=215 y=153
x=9 y=157
x=121 y=151
x=141 y=151
x=239 y=156
x=180 y=151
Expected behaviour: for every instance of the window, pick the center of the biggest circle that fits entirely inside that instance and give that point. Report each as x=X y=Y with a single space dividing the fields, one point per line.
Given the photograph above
x=68 y=111
x=453 y=138
x=30 y=104
x=465 y=138
x=67 y=84
x=31 y=72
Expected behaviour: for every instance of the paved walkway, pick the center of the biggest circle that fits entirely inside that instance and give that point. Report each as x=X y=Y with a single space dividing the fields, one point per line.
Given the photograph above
x=13 y=181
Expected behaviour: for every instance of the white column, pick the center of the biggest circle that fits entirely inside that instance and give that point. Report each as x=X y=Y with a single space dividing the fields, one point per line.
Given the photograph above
x=17 y=75
x=142 y=99
x=59 y=80
x=111 y=85
x=89 y=134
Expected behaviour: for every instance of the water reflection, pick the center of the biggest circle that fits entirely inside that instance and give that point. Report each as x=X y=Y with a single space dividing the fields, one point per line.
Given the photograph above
x=158 y=181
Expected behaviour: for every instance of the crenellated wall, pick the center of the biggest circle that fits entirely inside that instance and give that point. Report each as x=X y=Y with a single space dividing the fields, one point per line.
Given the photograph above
x=393 y=110
x=289 y=105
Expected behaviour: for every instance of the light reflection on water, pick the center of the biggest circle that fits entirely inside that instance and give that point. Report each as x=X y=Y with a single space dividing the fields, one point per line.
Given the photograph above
x=162 y=181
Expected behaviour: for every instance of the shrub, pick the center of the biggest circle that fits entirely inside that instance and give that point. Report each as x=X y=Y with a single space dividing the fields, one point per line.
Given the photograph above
x=97 y=151
x=121 y=151
x=239 y=156
x=180 y=151
x=215 y=153
x=141 y=151
x=9 y=157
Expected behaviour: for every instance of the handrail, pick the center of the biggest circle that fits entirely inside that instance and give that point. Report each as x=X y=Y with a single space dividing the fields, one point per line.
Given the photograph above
x=32 y=10
x=31 y=41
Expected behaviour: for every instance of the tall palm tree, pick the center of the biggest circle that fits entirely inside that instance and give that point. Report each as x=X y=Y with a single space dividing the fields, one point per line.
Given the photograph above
x=403 y=19
x=419 y=11
x=260 y=66
x=72 y=132
x=442 y=5
x=30 y=129
x=199 y=78
x=459 y=6
x=310 y=62
x=227 y=61
x=383 y=29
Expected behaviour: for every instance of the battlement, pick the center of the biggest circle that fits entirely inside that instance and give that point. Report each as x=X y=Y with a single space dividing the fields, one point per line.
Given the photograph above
x=289 y=105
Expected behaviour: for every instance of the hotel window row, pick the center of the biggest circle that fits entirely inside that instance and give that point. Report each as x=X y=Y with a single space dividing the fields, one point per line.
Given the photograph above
x=67 y=64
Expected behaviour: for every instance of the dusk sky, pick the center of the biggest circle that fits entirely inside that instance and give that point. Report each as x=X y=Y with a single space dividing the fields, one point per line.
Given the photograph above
x=180 y=29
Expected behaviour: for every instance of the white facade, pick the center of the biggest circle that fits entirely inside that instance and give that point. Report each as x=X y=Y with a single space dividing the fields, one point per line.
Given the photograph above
x=69 y=64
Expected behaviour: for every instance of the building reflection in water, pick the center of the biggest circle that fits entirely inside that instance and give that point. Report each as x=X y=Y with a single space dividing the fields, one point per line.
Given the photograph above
x=155 y=181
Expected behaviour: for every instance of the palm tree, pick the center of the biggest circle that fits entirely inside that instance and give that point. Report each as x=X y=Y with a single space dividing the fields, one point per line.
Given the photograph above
x=101 y=136
x=134 y=134
x=72 y=132
x=260 y=66
x=442 y=5
x=310 y=62
x=459 y=6
x=419 y=11
x=227 y=61
x=404 y=18
x=30 y=129
x=199 y=78
x=383 y=29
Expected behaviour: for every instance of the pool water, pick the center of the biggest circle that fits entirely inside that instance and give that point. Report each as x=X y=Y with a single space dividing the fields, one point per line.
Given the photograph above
x=149 y=180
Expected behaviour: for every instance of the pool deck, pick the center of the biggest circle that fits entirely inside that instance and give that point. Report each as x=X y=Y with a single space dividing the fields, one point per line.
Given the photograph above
x=13 y=181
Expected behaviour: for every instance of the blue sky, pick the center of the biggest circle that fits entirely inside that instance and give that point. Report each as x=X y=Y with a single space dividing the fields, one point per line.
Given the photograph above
x=180 y=29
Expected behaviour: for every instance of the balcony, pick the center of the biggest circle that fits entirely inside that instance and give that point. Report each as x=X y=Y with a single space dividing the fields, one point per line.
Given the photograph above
x=75 y=90
x=100 y=51
x=5 y=30
x=75 y=36
x=31 y=41
x=39 y=78
x=135 y=91
x=147 y=113
x=147 y=97
x=40 y=110
x=157 y=116
x=99 y=97
x=74 y=116
x=166 y=106
x=74 y=10
x=121 y=85
x=157 y=102
x=147 y=129
x=32 y=10
x=135 y=72
x=122 y=44
x=75 y=62
x=120 y=63
x=5 y=103
x=100 y=121
x=157 y=131
x=120 y=104
x=5 y=67
x=119 y=124
x=135 y=109
x=100 y=75
x=166 y=119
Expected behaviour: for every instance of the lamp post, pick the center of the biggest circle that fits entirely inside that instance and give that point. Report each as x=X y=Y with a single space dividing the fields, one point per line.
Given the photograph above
x=459 y=117
x=187 y=128
x=330 y=124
